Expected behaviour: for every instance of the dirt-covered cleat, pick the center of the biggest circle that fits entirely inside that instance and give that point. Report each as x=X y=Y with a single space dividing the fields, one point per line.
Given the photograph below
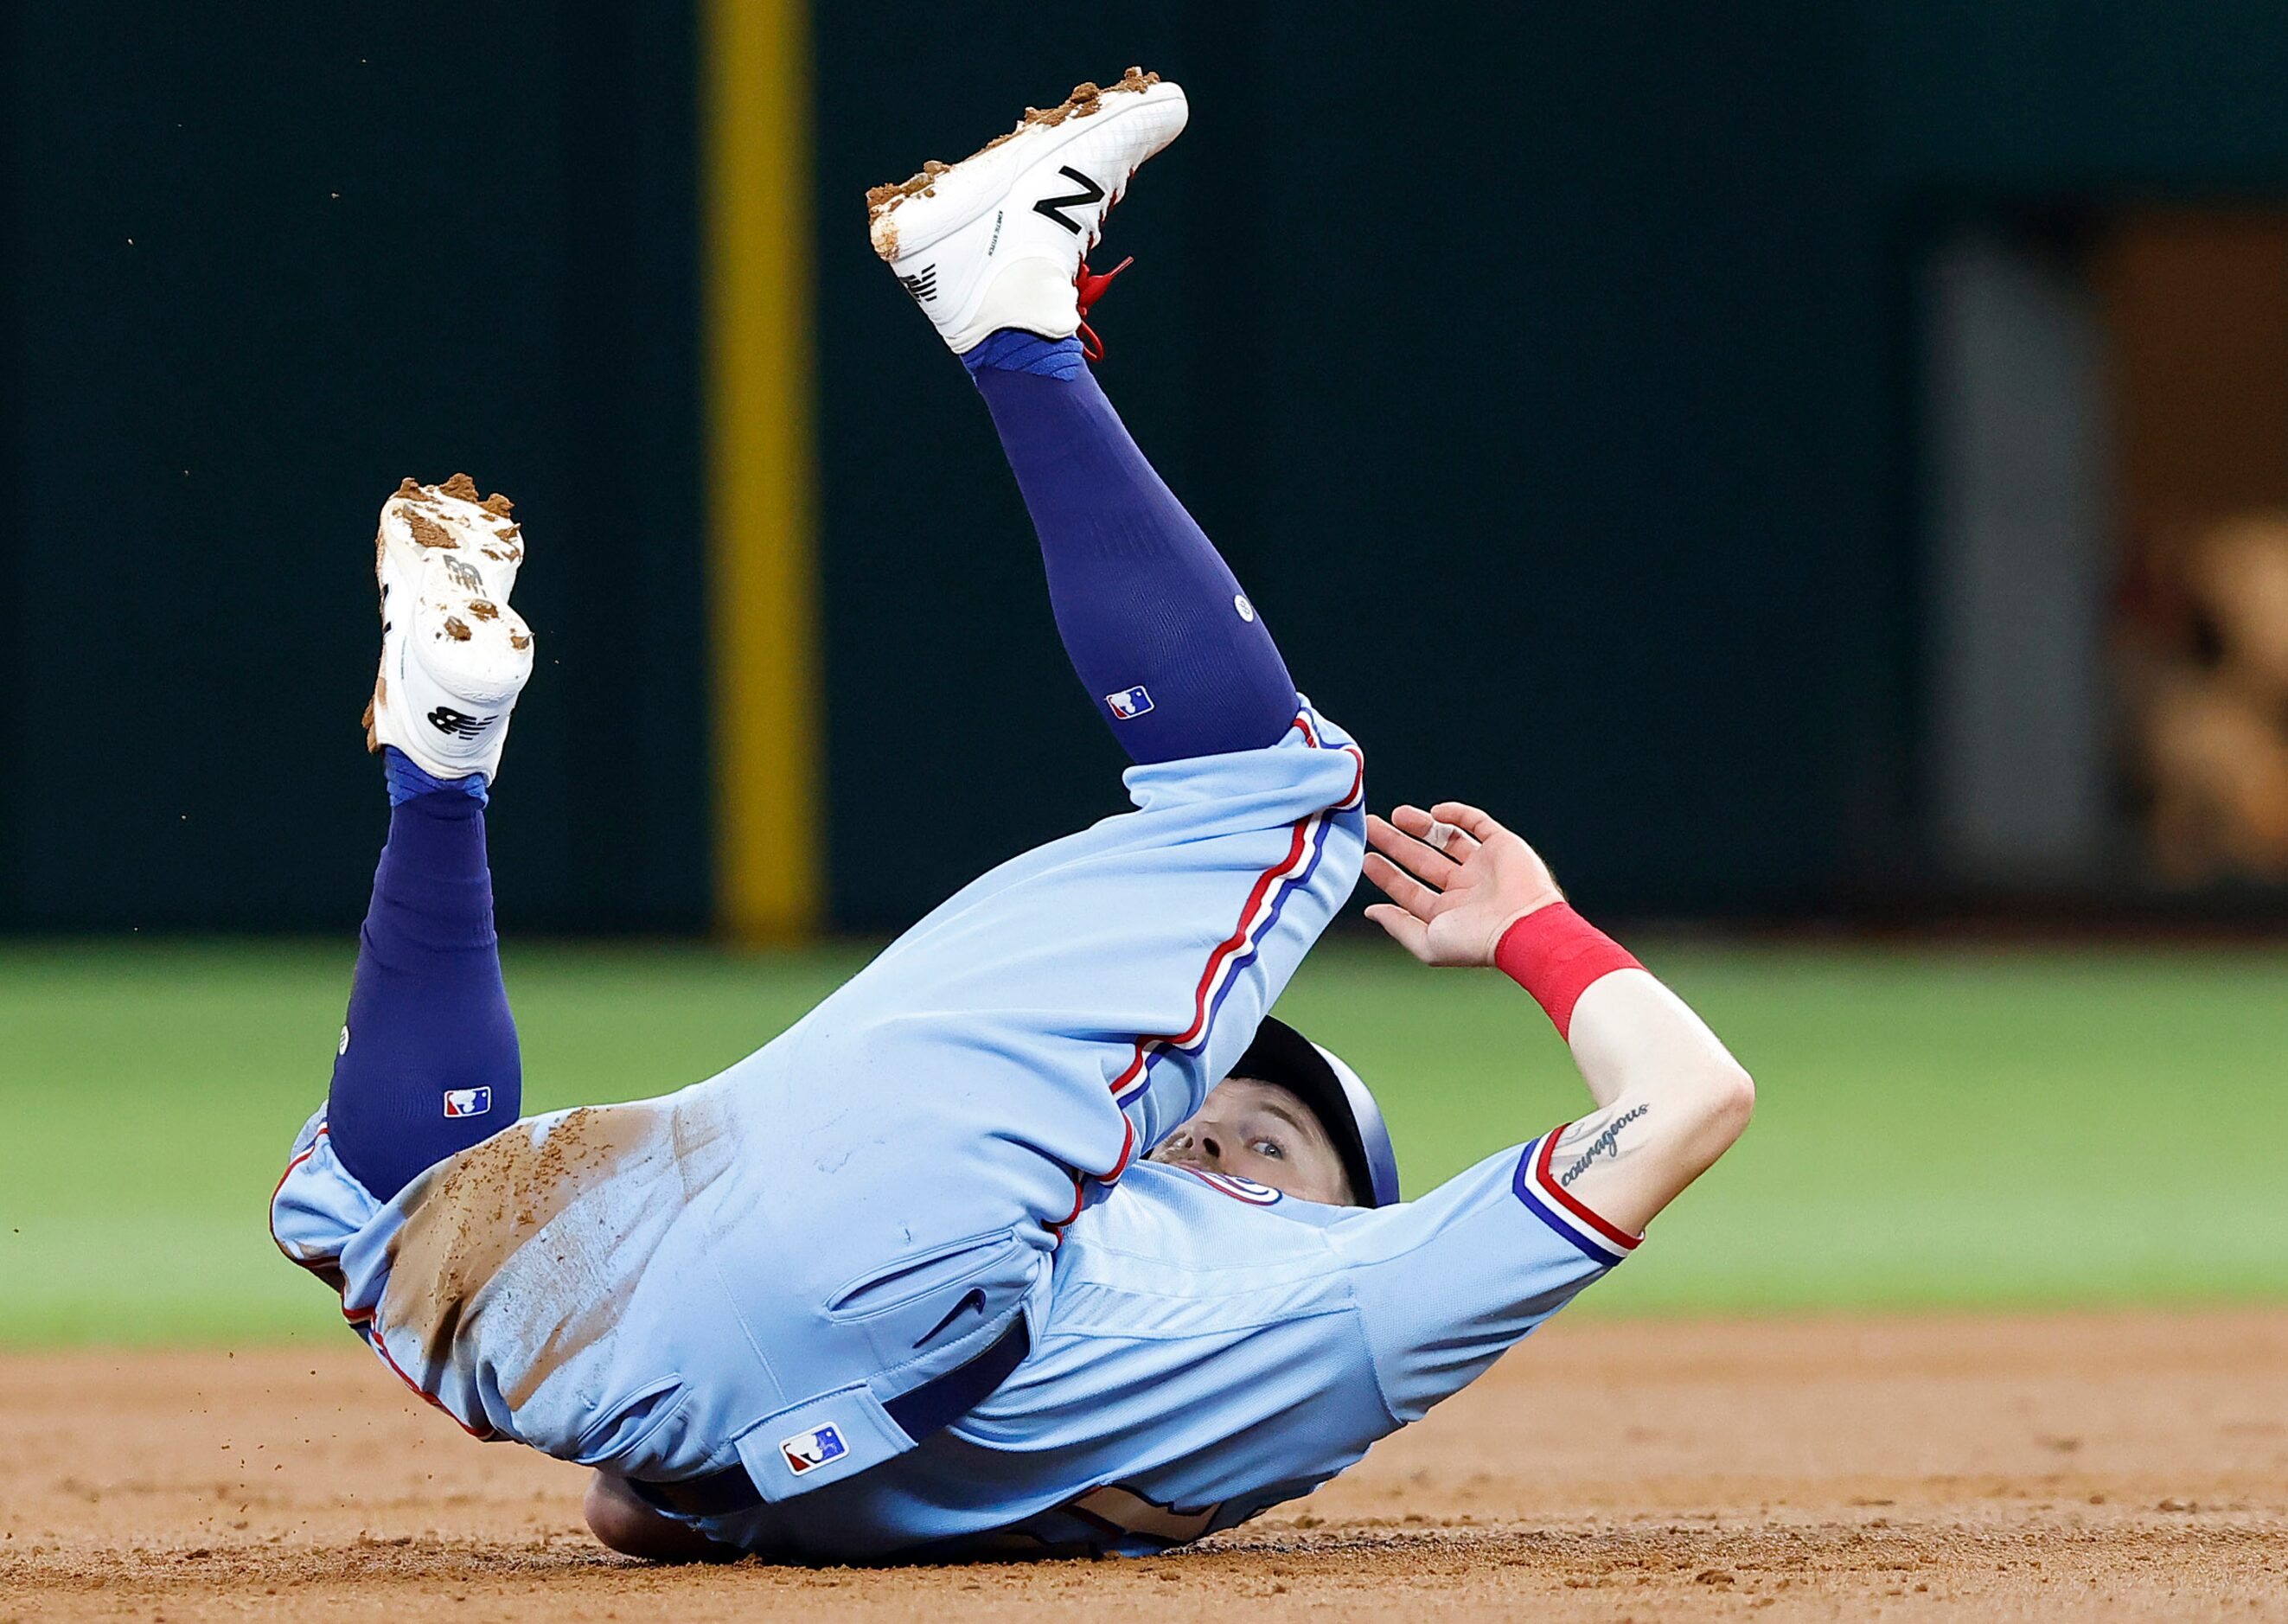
x=453 y=654
x=998 y=239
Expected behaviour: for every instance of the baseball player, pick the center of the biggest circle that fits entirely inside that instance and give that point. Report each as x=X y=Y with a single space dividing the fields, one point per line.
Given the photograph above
x=1038 y=1234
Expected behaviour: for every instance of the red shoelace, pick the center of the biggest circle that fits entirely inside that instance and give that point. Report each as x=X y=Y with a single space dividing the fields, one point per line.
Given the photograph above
x=1088 y=287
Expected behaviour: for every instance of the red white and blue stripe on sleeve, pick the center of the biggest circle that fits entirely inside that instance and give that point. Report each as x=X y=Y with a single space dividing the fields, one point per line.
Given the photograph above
x=1536 y=1185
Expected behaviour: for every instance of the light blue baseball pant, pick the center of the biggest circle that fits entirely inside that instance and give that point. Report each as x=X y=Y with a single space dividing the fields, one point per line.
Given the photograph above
x=667 y=1288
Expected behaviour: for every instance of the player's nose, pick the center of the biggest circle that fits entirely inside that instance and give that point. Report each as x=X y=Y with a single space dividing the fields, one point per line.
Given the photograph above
x=1209 y=1150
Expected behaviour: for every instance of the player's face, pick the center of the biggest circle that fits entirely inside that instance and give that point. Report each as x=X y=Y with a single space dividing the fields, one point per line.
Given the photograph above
x=1258 y=1131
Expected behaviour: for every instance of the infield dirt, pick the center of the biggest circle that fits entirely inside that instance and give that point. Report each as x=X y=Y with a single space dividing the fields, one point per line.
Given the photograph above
x=2087 y=1466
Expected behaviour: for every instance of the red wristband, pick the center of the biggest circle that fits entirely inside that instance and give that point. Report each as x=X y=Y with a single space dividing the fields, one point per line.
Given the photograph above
x=1557 y=955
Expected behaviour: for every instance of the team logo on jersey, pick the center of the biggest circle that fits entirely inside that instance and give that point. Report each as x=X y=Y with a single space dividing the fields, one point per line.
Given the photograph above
x=1236 y=1188
x=1131 y=704
x=806 y=1451
x=468 y=1102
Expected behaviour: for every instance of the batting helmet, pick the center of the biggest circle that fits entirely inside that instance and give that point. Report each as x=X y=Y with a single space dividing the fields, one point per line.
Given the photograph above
x=1341 y=1103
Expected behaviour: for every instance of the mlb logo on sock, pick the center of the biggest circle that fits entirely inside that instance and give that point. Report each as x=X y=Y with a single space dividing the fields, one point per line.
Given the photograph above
x=468 y=1102
x=806 y=1451
x=1132 y=703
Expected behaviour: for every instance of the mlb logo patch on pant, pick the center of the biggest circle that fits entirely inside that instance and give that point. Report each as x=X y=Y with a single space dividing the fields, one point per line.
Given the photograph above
x=808 y=1450
x=468 y=1102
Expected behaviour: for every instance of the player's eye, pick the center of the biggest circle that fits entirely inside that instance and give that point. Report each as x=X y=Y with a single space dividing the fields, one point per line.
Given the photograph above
x=1268 y=1147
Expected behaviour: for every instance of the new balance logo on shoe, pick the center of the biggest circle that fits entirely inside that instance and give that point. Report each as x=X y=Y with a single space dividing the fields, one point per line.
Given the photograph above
x=1056 y=207
x=448 y=721
x=463 y=576
x=922 y=285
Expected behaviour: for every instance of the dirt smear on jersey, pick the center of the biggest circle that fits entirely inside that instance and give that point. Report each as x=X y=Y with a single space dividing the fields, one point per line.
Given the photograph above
x=2118 y=1466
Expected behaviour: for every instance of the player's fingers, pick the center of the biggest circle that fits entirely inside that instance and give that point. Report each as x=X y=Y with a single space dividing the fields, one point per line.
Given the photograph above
x=1409 y=853
x=1470 y=820
x=1401 y=887
x=1408 y=932
x=1456 y=843
x=1411 y=818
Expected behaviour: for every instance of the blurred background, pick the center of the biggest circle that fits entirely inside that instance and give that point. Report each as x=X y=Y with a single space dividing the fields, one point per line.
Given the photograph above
x=1819 y=469
x=1823 y=462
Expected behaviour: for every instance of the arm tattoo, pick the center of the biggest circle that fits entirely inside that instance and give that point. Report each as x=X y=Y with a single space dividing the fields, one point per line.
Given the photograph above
x=1607 y=1142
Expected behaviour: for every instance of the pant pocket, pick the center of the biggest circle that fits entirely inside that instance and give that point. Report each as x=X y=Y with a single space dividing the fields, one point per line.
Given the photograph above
x=934 y=1297
x=619 y=1440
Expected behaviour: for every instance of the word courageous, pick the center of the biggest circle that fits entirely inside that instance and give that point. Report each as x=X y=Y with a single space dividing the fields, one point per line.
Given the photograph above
x=1604 y=1145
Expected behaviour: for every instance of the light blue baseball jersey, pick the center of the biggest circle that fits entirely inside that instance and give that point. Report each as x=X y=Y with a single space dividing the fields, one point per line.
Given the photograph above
x=1206 y=1348
x=754 y=1270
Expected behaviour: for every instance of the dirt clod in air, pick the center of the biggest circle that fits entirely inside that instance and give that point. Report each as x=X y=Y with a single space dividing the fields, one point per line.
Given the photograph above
x=428 y=533
x=460 y=485
x=457 y=628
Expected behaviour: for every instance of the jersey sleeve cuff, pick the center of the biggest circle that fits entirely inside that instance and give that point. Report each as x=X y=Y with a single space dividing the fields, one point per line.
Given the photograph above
x=1536 y=1186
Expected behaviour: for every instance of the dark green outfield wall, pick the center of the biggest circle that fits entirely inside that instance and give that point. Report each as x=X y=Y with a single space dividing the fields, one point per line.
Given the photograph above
x=1539 y=375
x=258 y=267
x=1546 y=371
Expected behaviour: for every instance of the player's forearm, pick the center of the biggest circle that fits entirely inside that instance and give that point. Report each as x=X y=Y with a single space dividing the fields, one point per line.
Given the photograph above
x=1632 y=1037
x=1463 y=891
x=1672 y=1098
x=1627 y=1031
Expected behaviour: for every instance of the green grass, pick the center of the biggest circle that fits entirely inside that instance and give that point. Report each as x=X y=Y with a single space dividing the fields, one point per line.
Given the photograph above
x=1958 y=1127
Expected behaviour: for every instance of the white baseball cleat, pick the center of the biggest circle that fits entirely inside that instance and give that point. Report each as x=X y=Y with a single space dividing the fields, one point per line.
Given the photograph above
x=454 y=655
x=997 y=240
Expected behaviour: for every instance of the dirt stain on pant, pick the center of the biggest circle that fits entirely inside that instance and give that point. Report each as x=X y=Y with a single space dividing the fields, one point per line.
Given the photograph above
x=463 y=1251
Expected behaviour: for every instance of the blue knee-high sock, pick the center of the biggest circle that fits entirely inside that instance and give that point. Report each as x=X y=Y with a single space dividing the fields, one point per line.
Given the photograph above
x=429 y=1063
x=1169 y=648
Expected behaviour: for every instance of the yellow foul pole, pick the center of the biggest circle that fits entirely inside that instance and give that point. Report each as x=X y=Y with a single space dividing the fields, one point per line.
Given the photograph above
x=761 y=507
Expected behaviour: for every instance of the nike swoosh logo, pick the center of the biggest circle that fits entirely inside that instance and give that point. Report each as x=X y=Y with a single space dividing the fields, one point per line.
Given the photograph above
x=974 y=1302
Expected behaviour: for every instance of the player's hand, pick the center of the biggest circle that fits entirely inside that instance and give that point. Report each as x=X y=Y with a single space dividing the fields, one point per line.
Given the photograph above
x=1456 y=878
